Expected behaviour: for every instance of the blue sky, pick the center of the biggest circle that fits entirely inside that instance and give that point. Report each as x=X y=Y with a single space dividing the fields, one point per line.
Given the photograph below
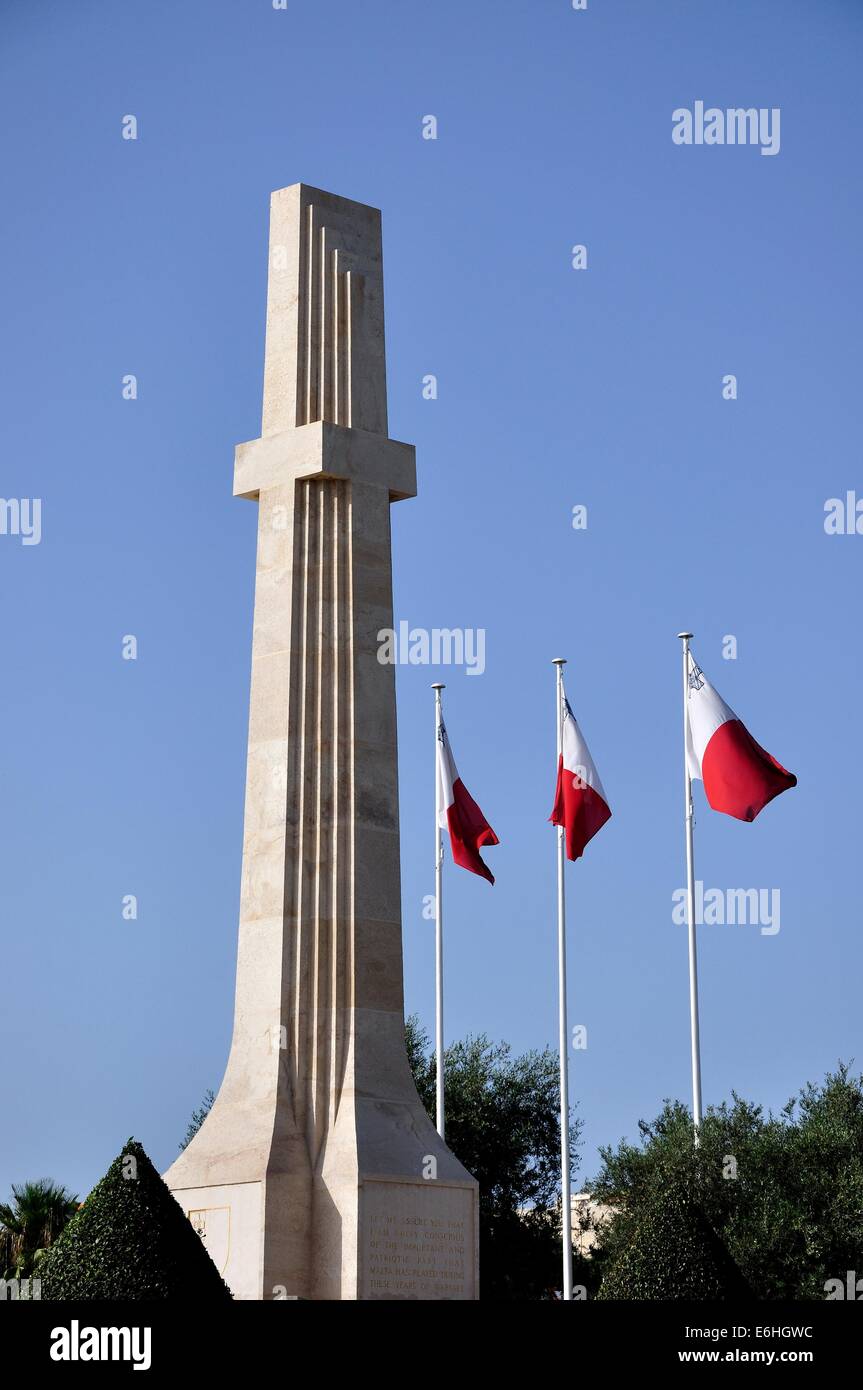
x=557 y=387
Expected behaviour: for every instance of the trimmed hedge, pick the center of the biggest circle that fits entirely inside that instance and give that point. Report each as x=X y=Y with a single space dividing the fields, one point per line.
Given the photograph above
x=674 y=1253
x=130 y=1240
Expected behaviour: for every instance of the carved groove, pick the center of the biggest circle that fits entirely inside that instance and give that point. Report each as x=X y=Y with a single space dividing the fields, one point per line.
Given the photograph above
x=318 y=897
x=327 y=293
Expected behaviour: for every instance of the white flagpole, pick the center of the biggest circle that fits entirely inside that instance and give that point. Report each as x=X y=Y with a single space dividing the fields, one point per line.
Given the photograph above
x=695 y=1041
x=566 y=1203
x=438 y=898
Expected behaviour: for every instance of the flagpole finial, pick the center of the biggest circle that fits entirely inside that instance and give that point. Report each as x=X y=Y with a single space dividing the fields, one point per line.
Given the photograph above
x=558 y=661
x=685 y=635
x=438 y=685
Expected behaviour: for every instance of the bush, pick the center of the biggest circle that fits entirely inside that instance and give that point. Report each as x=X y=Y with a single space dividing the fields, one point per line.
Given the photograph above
x=130 y=1240
x=783 y=1192
x=673 y=1253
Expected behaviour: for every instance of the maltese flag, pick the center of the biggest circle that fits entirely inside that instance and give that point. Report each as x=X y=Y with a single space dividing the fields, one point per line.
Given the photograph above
x=739 y=776
x=458 y=813
x=580 y=803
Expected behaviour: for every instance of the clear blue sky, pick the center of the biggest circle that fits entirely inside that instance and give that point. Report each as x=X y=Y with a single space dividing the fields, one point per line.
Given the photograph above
x=556 y=388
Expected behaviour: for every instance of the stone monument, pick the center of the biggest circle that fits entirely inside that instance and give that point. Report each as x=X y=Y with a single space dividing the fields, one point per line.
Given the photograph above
x=317 y=1173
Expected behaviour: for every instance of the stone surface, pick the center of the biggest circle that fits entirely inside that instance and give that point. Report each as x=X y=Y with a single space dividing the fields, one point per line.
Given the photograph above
x=317 y=1173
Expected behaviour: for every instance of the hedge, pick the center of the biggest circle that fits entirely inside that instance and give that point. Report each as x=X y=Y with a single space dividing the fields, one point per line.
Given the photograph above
x=130 y=1240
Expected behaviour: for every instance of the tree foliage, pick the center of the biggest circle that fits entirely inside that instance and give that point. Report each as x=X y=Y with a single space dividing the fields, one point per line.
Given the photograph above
x=29 y=1224
x=672 y=1253
x=198 y=1118
x=784 y=1193
x=130 y=1240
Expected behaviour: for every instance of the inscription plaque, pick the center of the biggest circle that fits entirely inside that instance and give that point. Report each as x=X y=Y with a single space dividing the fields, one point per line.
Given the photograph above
x=419 y=1240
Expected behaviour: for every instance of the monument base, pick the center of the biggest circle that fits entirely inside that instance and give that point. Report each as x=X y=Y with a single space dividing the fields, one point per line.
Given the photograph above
x=416 y=1240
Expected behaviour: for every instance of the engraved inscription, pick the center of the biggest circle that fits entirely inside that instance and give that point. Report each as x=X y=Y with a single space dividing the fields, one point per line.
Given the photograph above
x=419 y=1242
x=417 y=1255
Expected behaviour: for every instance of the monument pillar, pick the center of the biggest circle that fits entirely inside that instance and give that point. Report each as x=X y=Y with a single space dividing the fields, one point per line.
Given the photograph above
x=317 y=1173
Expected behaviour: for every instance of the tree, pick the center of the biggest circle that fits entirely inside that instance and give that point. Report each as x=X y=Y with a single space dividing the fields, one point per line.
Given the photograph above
x=503 y=1123
x=130 y=1240
x=783 y=1193
x=672 y=1253
x=33 y=1219
x=198 y=1118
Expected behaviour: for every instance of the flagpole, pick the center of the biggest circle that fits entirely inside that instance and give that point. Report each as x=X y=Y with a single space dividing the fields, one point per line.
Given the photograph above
x=438 y=898
x=566 y=1203
x=695 y=1041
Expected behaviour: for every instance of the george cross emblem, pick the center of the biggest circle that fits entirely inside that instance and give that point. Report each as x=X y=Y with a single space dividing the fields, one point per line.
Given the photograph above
x=696 y=676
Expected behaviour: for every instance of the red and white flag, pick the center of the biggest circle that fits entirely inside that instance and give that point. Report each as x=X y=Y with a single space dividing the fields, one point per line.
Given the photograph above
x=458 y=813
x=580 y=803
x=739 y=776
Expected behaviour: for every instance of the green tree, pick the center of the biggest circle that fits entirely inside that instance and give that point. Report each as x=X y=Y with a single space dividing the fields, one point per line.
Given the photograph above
x=198 y=1118
x=784 y=1193
x=672 y=1253
x=130 y=1240
x=29 y=1224
x=503 y=1123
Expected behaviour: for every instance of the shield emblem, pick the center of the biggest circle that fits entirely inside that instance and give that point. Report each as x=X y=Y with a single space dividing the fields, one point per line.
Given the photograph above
x=213 y=1225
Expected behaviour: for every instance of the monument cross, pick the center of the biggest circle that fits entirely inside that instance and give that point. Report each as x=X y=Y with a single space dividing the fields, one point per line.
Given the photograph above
x=317 y=1173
